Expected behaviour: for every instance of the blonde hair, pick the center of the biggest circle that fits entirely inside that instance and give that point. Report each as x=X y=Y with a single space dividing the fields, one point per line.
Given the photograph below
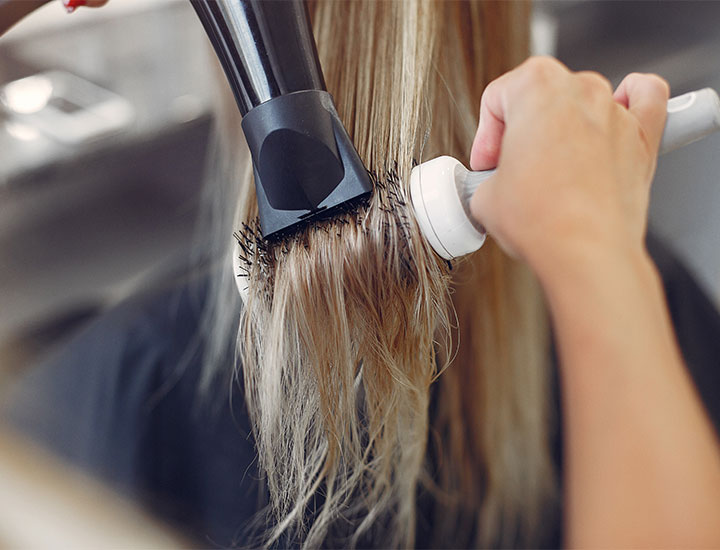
x=348 y=324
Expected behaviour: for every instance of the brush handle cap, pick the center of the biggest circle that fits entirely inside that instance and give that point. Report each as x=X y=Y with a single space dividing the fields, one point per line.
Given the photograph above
x=691 y=117
x=440 y=199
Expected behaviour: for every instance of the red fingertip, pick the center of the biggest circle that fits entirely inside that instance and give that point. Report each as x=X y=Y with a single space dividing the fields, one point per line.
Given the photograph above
x=72 y=5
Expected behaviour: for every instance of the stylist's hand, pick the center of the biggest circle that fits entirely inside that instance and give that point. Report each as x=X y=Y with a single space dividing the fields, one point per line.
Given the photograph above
x=71 y=5
x=12 y=11
x=574 y=161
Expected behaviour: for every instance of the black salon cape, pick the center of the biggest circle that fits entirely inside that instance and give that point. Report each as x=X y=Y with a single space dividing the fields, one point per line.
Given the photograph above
x=121 y=402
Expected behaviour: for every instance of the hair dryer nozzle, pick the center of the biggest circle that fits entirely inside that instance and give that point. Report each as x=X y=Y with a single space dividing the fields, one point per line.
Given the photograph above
x=305 y=165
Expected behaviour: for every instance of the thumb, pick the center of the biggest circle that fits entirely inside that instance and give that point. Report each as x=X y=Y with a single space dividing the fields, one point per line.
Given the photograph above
x=484 y=210
x=486 y=146
x=481 y=204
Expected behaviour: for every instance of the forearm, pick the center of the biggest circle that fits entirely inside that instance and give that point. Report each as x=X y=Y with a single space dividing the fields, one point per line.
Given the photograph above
x=11 y=11
x=643 y=465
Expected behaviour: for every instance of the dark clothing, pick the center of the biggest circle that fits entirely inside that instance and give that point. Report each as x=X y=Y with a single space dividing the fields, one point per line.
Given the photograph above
x=697 y=326
x=121 y=402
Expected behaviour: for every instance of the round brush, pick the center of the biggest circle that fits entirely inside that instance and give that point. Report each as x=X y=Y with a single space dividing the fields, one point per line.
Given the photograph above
x=441 y=189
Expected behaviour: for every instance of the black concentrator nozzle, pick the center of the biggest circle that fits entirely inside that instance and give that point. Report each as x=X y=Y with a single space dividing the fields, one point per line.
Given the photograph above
x=304 y=162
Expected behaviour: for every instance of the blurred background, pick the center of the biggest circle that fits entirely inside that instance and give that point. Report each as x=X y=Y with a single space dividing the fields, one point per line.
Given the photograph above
x=98 y=188
x=107 y=119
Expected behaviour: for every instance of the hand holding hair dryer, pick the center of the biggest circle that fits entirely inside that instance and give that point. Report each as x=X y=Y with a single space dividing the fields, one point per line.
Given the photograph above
x=440 y=189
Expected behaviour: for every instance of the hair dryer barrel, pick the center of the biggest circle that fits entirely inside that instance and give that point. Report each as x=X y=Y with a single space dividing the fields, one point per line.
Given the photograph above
x=266 y=48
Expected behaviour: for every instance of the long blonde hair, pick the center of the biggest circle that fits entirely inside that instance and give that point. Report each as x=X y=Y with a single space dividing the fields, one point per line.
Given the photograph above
x=348 y=324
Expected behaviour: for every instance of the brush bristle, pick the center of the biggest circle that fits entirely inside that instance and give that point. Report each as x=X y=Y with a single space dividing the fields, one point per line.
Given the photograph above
x=387 y=196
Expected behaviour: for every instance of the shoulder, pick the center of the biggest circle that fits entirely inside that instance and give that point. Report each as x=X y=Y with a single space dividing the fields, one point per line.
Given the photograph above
x=121 y=401
x=95 y=401
x=97 y=383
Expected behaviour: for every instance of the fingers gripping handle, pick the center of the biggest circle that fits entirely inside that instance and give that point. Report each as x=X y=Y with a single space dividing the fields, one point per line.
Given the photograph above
x=690 y=117
x=441 y=189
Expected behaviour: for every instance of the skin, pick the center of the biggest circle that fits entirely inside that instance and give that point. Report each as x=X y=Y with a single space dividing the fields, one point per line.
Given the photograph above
x=570 y=197
x=12 y=11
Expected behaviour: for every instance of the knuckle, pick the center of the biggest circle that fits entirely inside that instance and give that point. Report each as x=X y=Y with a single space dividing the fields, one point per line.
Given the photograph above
x=648 y=80
x=597 y=80
x=594 y=84
x=631 y=82
x=659 y=83
x=489 y=89
x=541 y=68
x=633 y=77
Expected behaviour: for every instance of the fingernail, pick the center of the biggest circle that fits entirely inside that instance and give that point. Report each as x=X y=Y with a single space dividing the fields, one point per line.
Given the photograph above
x=72 y=5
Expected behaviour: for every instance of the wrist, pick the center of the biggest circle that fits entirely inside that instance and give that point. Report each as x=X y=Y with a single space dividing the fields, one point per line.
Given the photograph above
x=609 y=304
x=586 y=261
